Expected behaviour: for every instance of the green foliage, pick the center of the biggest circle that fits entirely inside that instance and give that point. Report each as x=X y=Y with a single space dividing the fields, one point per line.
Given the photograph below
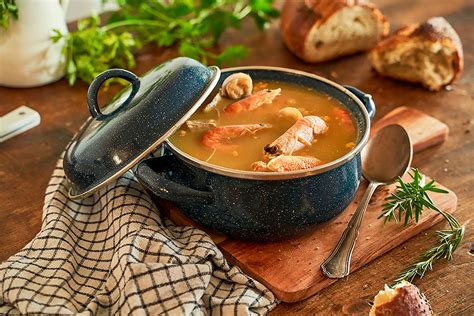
x=408 y=202
x=194 y=26
x=449 y=241
x=8 y=10
x=91 y=50
x=409 y=199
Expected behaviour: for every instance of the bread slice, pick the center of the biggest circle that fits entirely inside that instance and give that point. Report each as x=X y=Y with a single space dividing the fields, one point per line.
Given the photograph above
x=403 y=299
x=429 y=53
x=320 y=30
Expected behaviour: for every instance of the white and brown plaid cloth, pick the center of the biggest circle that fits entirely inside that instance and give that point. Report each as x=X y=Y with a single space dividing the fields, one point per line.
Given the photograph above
x=114 y=253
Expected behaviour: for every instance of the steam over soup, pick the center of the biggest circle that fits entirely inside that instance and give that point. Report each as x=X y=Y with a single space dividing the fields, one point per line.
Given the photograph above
x=267 y=126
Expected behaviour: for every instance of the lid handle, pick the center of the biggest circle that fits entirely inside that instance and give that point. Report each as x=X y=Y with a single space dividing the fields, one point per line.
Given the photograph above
x=100 y=79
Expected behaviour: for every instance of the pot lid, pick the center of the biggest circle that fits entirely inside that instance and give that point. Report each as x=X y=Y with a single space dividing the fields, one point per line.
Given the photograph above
x=135 y=122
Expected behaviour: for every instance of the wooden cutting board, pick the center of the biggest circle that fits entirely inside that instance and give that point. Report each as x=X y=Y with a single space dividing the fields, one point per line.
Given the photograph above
x=291 y=268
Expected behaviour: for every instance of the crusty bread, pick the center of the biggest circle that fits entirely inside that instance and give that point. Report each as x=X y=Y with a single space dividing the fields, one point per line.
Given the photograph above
x=320 y=30
x=403 y=299
x=429 y=53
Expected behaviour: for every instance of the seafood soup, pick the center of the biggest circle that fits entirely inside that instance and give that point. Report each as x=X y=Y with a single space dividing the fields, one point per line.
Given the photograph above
x=267 y=126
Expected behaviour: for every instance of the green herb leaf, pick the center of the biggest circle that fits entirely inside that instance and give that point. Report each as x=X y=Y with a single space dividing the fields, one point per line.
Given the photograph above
x=8 y=10
x=193 y=25
x=90 y=50
x=409 y=200
x=231 y=53
x=449 y=241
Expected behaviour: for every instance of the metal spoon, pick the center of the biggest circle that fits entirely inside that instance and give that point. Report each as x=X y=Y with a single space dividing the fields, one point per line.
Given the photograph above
x=386 y=157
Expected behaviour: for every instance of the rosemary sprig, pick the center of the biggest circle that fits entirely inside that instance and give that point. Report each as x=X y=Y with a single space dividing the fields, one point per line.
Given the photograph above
x=408 y=201
x=449 y=241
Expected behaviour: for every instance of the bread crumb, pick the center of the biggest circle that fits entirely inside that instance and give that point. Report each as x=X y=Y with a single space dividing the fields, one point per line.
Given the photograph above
x=446 y=161
x=445 y=169
x=333 y=74
x=350 y=145
x=326 y=118
x=182 y=133
x=235 y=153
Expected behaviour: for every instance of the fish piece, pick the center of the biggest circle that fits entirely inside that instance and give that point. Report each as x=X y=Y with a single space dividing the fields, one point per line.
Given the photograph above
x=213 y=104
x=220 y=137
x=291 y=113
x=285 y=163
x=292 y=163
x=298 y=136
x=253 y=101
x=196 y=126
x=237 y=86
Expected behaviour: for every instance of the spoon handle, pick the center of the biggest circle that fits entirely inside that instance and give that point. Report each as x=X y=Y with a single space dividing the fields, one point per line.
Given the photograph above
x=337 y=265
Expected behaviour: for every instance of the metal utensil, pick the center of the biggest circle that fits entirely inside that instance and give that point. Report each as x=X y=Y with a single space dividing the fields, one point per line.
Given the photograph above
x=387 y=156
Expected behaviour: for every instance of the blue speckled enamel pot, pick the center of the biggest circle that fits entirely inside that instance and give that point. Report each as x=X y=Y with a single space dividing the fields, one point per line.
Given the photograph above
x=257 y=205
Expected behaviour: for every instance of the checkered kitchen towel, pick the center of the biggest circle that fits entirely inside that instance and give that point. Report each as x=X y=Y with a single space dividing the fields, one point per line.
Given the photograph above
x=114 y=253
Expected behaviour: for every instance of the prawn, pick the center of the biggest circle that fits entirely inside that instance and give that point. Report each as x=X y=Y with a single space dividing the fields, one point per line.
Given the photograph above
x=298 y=136
x=253 y=101
x=200 y=126
x=220 y=137
x=236 y=86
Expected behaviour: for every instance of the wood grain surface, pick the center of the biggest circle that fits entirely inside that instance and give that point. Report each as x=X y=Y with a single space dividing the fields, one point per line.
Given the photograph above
x=424 y=130
x=27 y=161
x=290 y=268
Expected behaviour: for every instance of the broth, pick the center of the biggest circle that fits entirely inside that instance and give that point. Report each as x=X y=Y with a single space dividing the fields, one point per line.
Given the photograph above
x=339 y=138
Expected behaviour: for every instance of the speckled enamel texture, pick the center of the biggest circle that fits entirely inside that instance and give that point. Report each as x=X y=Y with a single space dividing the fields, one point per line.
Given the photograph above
x=135 y=122
x=254 y=209
x=264 y=207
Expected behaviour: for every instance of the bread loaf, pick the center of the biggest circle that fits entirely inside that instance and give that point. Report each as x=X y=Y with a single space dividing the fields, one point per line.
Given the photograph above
x=429 y=53
x=404 y=299
x=320 y=30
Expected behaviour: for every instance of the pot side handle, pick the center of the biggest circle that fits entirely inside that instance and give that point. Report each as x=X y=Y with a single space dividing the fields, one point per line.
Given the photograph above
x=365 y=98
x=164 y=188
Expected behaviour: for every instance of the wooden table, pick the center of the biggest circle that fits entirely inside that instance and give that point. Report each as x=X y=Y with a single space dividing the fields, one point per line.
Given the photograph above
x=26 y=161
